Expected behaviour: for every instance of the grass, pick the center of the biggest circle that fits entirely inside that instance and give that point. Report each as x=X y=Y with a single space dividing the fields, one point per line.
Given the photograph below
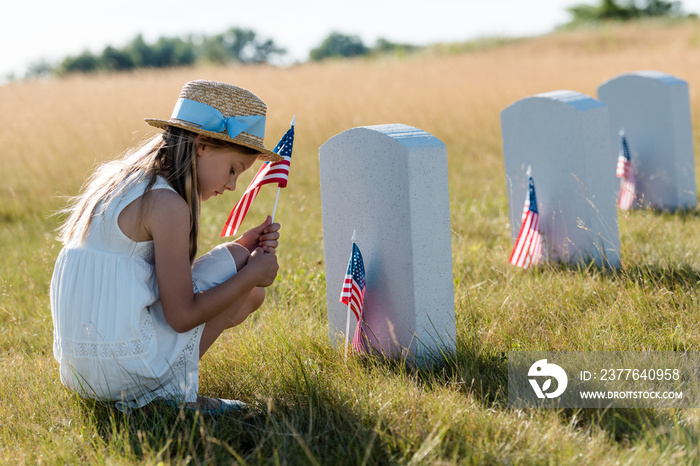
x=309 y=406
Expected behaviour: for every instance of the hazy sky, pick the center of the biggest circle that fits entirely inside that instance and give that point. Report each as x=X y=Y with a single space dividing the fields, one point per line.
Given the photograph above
x=50 y=29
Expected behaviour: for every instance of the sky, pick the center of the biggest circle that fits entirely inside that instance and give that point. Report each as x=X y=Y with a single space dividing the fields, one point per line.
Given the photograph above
x=31 y=31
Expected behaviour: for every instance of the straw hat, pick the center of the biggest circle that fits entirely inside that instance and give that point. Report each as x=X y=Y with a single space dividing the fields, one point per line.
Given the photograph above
x=222 y=111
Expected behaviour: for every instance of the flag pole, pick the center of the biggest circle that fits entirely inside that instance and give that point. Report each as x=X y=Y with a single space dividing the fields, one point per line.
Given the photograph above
x=274 y=209
x=277 y=198
x=347 y=319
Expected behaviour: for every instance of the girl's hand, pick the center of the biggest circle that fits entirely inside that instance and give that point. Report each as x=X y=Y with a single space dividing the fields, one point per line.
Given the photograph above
x=265 y=236
x=263 y=266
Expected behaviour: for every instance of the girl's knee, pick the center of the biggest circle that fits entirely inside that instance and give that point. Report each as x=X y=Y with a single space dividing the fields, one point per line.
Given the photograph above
x=256 y=298
x=252 y=303
x=239 y=253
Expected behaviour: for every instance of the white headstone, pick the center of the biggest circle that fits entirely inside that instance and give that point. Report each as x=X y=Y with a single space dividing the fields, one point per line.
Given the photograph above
x=564 y=136
x=653 y=108
x=389 y=183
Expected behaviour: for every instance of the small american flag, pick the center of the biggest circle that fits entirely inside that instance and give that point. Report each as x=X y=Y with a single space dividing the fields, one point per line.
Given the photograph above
x=268 y=173
x=626 y=172
x=279 y=171
x=353 y=293
x=528 y=246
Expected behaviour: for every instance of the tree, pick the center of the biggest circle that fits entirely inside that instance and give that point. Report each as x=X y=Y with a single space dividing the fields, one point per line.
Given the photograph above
x=241 y=45
x=339 y=45
x=118 y=60
x=262 y=52
x=624 y=10
x=39 y=69
x=169 y=52
x=165 y=52
x=659 y=8
x=140 y=52
x=385 y=46
x=83 y=63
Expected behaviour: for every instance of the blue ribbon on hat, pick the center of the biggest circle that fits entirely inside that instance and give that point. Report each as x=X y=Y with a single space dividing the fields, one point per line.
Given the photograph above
x=210 y=119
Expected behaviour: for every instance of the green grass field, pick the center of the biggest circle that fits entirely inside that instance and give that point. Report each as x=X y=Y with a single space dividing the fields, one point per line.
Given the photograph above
x=309 y=406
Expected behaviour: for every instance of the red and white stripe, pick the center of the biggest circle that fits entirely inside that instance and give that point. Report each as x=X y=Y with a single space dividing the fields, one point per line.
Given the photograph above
x=526 y=209
x=622 y=166
x=268 y=173
x=278 y=173
x=628 y=186
x=241 y=208
x=528 y=247
x=353 y=295
x=358 y=338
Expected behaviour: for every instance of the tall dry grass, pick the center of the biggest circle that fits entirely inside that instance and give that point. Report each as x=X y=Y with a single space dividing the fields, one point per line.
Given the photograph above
x=308 y=406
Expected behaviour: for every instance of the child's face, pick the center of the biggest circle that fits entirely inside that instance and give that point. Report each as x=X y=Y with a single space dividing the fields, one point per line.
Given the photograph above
x=218 y=169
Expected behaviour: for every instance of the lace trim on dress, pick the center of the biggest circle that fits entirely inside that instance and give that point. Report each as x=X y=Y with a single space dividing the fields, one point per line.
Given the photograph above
x=181 y=366
x=112 y=350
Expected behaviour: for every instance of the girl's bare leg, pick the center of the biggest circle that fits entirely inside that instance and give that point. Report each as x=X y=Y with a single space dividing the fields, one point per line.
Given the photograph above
x=236 y=312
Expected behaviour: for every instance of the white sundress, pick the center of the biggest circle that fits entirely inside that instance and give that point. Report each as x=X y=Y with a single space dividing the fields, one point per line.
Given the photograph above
x=110 y=337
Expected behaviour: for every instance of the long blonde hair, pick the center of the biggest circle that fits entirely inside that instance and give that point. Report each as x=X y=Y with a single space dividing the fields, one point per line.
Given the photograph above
x=171 y=155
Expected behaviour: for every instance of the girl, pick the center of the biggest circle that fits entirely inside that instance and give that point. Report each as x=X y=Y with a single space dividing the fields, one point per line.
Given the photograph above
x=133 y=311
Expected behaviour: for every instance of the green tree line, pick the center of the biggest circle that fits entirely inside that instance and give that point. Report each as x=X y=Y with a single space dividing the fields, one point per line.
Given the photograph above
x=625 y=10
x=233 y=46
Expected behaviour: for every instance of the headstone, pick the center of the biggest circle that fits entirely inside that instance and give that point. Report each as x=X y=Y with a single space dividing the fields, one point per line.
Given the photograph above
x=389 y=183
x=653 y=108
x=564 y=137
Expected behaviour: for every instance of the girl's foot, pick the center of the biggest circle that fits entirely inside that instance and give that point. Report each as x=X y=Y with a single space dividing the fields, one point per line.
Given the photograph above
x=207 y=405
